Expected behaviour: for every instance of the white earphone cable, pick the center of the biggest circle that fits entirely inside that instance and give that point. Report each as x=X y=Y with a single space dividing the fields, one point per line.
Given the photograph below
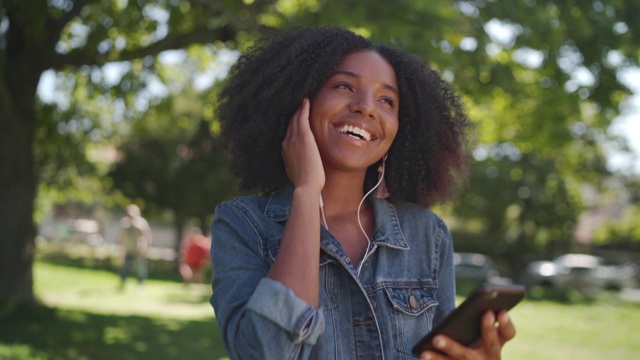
x=360 y=222
x=324 y=220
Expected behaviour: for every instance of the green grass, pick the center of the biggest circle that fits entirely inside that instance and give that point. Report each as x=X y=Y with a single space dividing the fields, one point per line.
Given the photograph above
x=604 y=329
x=87 y=316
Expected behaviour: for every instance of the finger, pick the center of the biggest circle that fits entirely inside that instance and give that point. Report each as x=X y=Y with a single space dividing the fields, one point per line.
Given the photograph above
x=506 y=328
x=298 y=119
x=490 y=338
x=303 y=115
x=449 y=349
x=432 y=355
x=293 y=125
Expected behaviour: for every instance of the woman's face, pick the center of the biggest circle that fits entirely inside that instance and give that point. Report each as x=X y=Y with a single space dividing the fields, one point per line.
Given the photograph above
x=354 y=115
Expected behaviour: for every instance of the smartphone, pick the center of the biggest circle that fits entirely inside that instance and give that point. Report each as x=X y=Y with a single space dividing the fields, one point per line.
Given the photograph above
x=463 y=323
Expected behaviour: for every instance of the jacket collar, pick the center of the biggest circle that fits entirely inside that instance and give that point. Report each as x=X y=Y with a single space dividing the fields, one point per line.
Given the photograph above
x=387 y=232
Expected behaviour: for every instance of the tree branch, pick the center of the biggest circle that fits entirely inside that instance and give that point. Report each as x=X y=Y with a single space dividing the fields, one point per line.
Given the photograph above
x=59 y=23
x=178 y=41
x=255 y=8
x=56 y=25
x=82 y=56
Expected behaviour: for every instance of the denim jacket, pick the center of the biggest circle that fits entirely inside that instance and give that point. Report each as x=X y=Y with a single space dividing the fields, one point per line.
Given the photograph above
x=404 y=287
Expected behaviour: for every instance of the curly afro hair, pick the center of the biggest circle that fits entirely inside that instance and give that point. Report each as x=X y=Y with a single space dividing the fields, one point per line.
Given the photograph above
x=269 y=82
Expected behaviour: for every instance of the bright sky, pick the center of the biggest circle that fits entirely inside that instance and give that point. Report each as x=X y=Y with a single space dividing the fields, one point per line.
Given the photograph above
x=628 y=126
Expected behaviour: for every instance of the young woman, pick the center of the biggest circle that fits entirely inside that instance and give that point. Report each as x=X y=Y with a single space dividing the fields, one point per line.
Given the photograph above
x=324 y=264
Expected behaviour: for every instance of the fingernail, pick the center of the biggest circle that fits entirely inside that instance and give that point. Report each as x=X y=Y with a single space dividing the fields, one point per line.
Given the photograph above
x=491 y=318
x=439 y=343
x=426 y=356
x=506 y=317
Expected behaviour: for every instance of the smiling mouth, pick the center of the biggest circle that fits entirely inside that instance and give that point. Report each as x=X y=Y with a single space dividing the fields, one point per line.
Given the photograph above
x=355 y=132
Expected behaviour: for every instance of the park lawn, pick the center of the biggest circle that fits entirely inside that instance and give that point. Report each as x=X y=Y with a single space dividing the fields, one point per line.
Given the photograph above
x=90 y=318
x=605 y=329
x=99 y=291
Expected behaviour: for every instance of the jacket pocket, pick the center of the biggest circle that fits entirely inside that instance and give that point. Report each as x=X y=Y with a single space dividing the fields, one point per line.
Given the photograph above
x=410 y=300
x=413 y=309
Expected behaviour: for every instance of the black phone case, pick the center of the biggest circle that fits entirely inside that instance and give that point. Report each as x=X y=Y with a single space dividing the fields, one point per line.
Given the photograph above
x=463 y=324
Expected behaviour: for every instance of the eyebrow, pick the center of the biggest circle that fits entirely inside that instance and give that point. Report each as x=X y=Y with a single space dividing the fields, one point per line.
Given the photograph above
x=357 y=76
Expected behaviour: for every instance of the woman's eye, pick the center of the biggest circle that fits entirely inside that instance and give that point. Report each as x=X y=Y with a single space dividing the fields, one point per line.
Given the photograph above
x=388 y=100
x=346 y=86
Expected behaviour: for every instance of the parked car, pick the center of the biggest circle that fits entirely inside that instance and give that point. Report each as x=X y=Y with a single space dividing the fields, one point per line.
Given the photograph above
x=473 y=269
x=585 y=273
x=618 y=276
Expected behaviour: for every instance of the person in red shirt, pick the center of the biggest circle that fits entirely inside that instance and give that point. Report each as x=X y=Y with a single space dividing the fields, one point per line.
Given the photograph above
x=194 y=256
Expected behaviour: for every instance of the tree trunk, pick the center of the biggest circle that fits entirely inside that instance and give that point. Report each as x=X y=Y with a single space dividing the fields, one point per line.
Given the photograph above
x=18 y=180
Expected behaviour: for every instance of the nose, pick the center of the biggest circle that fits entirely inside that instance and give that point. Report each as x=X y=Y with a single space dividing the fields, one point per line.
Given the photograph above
x=363 y=104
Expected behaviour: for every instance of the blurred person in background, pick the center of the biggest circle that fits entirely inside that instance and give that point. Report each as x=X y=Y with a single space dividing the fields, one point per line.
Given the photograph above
x=134 y=239
x=194 y=256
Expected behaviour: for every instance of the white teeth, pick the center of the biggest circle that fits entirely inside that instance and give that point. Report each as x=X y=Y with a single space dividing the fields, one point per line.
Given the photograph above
x=352 y=131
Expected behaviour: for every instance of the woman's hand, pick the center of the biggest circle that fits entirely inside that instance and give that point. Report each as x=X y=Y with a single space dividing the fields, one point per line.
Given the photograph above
x=300 y=151
x=297 y=265
x=494 y=336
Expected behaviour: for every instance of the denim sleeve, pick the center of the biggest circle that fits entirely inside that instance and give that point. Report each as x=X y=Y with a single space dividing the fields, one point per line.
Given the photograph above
x=446 y=294
x=259 y=318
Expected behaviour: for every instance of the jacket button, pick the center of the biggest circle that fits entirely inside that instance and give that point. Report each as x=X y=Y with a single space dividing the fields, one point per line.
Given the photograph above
x=413 y=302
